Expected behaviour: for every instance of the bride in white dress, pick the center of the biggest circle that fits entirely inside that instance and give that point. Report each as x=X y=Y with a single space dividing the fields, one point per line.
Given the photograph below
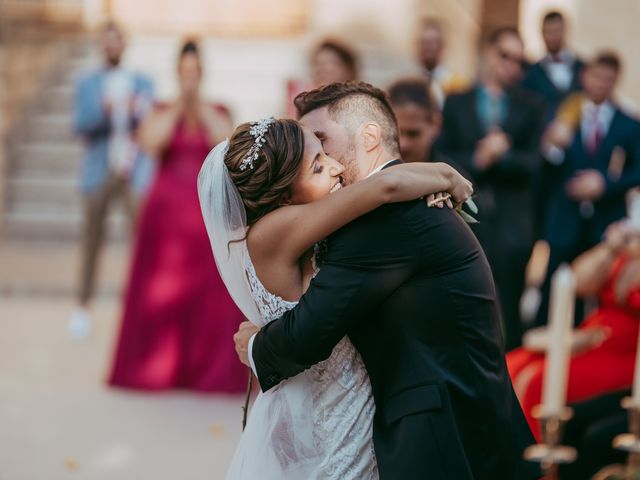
x=265 y=197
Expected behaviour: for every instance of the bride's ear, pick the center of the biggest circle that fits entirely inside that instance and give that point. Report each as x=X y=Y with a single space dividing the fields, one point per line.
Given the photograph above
x=371 y=135
x=285 y=200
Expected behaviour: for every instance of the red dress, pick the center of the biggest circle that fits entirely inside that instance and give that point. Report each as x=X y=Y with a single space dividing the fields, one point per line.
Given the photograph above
x=606 y=368
x=178 y=323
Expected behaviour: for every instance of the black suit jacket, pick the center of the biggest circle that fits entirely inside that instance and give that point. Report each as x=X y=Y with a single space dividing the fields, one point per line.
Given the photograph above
x=537 y=80
x=504 y=190
x=564 y=224
x=413 y=290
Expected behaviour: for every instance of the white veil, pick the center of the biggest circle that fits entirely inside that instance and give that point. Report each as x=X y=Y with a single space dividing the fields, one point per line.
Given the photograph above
x=226 y=221
x=278 y=441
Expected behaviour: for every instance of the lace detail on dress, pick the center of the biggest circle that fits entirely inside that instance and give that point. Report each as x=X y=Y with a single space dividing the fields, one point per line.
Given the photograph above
x=342 y=402
x=343 y=414
x=270 y=306
x=344 y=408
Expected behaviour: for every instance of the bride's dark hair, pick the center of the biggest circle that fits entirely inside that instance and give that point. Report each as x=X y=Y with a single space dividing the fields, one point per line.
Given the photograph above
x=267 y=185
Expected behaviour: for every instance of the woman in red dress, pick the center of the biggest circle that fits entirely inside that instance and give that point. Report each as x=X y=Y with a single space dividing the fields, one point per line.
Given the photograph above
x=178 y=319
x=605 y=362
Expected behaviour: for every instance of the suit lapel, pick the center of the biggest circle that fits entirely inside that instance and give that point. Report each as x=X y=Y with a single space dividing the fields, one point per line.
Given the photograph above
x=476 y=130
x=545 y=77
x=606 y=145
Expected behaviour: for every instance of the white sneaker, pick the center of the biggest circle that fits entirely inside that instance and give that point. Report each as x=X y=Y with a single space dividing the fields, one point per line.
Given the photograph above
x=79 y=326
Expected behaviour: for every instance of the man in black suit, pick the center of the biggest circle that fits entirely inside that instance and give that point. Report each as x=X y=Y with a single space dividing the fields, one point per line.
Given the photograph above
x=557 y=74
x=492 y=132
x=592 y=160
x=413 y=290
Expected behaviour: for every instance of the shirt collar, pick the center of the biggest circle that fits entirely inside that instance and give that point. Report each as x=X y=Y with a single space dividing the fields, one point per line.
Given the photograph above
x=605 y=109
x=565 y=56
x=378 y=169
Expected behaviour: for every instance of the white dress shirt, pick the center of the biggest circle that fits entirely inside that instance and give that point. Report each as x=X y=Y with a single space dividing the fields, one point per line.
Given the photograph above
x=595 y=117
x=250 y=344
x=119 y=88
x=560 y=70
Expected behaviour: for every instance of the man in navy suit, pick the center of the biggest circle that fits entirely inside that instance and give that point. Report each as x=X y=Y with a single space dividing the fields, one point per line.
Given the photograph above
x=590 y=169
x=557 y=74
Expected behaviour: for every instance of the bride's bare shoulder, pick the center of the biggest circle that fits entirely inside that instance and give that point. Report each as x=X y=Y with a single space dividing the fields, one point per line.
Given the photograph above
x=267 y=237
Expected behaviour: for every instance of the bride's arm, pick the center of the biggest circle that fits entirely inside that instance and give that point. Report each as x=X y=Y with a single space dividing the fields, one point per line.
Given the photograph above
x=289 y=231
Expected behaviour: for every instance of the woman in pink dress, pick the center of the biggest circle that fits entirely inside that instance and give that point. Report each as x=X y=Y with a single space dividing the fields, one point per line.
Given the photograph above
x=178 y=318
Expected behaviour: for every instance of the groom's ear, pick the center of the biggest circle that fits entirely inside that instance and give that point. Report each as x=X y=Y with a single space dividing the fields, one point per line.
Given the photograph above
x=371 y=135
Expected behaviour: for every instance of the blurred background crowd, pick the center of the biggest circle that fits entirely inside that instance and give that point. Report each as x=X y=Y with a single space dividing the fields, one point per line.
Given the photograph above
x=109 y=293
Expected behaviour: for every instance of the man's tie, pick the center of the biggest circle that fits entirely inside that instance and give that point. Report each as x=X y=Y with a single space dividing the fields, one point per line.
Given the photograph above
x=596 y=132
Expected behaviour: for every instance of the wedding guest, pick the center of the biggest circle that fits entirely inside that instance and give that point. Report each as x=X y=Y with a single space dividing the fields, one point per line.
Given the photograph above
x=418 y=120
x=107 y=108
x=431 y=44
x=331 y=61
x=492 y=133
x=604 y=359
x=554 y=77
x=557 y=74
x=592 y=152
x=178 y=318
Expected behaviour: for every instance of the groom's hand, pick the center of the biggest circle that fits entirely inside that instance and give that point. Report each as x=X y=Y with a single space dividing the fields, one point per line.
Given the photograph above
x=241 y=339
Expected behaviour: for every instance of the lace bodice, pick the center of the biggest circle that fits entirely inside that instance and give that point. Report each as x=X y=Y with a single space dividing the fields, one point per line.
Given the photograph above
x=341 y=405
x=269 y=305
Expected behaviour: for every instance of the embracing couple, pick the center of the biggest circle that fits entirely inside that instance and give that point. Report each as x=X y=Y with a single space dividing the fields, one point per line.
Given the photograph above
x=374 y=333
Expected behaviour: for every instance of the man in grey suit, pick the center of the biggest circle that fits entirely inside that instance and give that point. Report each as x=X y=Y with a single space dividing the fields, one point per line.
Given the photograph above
x=108 y=106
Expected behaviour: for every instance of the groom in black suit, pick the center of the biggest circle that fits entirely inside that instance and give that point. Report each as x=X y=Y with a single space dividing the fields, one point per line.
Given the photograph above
x=412 y=289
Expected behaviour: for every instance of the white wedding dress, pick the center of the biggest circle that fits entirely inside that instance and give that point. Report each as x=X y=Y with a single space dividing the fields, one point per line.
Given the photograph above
x=316 y=425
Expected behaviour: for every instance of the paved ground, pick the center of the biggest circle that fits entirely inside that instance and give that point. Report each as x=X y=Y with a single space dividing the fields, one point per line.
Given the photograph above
x=57 y=419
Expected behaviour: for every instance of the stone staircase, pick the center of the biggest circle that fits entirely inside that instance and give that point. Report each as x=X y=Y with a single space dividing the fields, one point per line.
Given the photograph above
x=42 y=201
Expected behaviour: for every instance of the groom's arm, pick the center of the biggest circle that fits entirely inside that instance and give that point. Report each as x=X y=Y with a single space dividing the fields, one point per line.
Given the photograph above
x=365 y=267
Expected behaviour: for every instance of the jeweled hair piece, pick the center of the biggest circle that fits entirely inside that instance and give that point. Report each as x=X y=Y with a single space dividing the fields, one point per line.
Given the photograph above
x=257 y=130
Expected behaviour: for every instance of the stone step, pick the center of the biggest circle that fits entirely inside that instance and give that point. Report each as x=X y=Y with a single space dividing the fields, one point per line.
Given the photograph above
x=43 y=159
x=57 y=191
x=46 y=226
x=56 y=99
x=51 y=127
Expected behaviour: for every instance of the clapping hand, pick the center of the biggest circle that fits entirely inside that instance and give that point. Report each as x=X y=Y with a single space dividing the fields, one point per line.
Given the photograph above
x=586 y=185
x=491 y=148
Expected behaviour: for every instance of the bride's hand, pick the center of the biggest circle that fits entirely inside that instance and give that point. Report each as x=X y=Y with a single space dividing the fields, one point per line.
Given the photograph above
x=439 y=200
x=461 y=189
x=246 y=330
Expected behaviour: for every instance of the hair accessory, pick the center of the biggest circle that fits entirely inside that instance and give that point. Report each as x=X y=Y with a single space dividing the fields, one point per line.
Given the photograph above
x=257 y=130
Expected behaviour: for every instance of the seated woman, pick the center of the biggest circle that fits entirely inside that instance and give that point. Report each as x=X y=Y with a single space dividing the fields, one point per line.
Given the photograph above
x=605 y=362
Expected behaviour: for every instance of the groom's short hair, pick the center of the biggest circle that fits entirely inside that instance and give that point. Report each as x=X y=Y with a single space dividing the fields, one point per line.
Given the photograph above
x=352 y=103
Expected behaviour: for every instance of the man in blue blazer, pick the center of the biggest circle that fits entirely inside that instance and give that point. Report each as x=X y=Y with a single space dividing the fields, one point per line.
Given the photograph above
x=590 y=170
x=108 y=106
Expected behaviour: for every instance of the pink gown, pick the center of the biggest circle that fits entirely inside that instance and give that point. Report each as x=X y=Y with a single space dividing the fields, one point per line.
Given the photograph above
x=178 y=319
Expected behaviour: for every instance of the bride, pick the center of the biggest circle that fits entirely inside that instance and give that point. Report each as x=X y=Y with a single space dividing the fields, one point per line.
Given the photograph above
x=265 y=197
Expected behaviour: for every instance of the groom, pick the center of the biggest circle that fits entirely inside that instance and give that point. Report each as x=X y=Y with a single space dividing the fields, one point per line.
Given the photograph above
x=411 y=287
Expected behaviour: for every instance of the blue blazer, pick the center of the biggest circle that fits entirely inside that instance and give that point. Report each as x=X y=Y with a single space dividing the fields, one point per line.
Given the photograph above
x=90 y=121
x=564 y=224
